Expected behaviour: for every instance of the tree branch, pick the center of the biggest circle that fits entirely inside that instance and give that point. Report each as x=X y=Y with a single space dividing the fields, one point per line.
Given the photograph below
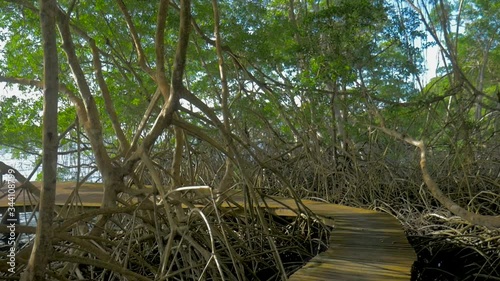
x=135 y=37
x=491 y=222
x=165 y=117
x=108 y=103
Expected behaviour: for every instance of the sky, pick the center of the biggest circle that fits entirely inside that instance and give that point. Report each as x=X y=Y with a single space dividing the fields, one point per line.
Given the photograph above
x=433 y=61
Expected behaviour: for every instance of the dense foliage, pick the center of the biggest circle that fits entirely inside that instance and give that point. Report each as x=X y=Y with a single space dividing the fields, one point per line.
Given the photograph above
x=297 y=98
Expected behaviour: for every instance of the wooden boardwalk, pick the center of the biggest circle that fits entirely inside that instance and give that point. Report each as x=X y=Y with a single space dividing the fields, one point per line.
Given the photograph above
x=364 y=244
x=89 y=195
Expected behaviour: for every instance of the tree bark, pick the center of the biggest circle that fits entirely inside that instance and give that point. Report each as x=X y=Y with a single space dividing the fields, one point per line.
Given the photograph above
x=174 y=90
x=111 y=175
x=491 y=222
x=226 y=181
x=42 y=249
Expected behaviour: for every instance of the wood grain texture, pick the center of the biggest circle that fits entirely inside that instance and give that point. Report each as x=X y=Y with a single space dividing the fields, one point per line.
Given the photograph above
x=364 y=245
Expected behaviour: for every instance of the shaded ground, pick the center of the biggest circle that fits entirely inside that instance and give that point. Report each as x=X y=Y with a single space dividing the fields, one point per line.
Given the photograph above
x=301 y=240
x=440 y=259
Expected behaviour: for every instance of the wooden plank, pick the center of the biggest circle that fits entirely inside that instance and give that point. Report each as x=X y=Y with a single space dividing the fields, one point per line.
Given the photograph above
x=364 y=245
x=89 y=195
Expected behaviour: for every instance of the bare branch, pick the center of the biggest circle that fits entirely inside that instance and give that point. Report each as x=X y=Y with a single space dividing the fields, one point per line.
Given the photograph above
x=137 y=42
x=108 y=103
x=491 y=222
x=165 y=117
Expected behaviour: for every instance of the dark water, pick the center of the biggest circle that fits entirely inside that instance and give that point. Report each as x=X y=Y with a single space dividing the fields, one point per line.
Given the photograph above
x=25 y=218
x=440 y=259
